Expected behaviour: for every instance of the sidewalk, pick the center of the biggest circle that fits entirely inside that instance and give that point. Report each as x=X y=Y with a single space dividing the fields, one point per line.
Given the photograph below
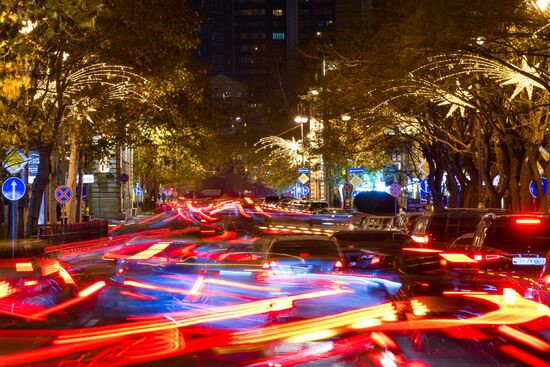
x=134 y=219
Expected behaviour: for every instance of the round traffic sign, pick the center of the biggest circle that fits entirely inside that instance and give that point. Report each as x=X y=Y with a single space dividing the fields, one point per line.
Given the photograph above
x=395 y=189
x=124 y=178
x=63 y=194
x=13 y=188
x=347 y=187
x=533 y=189
x=138 y=191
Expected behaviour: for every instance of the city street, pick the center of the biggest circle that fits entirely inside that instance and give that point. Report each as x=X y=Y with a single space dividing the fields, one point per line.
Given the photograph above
x=275 y=183
x=203 y=296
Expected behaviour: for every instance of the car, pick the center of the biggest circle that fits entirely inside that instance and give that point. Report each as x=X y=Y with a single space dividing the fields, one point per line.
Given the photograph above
x=271 y=201
x=375 y=240
x=285 y=202
x=512 y=242
x=29 y=281
x=304 y=254
x=542 y=292
x=360 y=259
x=513 y=246
x=333 y=213
x=316 y=205
x=378 y=222
x=441 y=228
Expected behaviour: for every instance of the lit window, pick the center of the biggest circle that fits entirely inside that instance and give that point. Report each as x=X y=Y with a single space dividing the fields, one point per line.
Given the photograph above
x=278 y=12
x=278 y=36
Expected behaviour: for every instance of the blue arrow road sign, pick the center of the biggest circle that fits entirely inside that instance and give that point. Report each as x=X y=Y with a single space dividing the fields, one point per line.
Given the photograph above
x=424 y=186
x=352 y=171
x=13 y=188
x=533 y=189
x=138 y=191
x=305 y=190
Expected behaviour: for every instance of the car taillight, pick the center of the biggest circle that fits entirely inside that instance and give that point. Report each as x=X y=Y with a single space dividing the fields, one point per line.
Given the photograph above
x=338 y=265
x=528 y=221
x=374 y=260
x=486 y=257
x=546 y=279
x=269 y=265
x=421 y=239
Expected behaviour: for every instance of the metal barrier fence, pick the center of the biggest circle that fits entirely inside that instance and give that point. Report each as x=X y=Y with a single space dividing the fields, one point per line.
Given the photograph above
x=64 y=233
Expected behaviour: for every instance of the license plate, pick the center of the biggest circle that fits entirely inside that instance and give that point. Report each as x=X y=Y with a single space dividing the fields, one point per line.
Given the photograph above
x=528 y=261
x=297 y=270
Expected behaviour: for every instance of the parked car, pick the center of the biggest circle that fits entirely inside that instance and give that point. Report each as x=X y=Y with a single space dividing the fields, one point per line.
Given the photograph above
x=304 y=254
x=440 y=229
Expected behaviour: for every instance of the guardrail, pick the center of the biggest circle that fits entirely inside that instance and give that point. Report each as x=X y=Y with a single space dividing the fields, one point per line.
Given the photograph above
x=64 y=233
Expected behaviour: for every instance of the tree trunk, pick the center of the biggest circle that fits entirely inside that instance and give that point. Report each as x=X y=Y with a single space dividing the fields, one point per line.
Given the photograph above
x=80 y=187
x=454 y=189
x=527 y=203
x=71 y=178
x=39 y=185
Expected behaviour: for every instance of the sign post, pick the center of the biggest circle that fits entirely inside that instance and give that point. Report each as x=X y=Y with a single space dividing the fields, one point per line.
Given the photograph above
x=395 y=191
x=13 y=189
x=63 y=194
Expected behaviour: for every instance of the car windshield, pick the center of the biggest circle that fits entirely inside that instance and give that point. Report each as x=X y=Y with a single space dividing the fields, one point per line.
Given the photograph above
x=311 y=250
x=512 y=237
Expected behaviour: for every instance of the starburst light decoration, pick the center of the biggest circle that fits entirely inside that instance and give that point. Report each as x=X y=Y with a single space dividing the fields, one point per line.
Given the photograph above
x=285 y=149
x=119 y=82
x=524 y=76
x=458 y=99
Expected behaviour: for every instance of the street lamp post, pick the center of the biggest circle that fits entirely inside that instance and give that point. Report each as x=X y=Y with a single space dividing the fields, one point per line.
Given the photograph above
x=347 y=195
x=302 y=120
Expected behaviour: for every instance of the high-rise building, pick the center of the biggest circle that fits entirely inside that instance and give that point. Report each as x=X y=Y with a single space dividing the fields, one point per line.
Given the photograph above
x=256 y=41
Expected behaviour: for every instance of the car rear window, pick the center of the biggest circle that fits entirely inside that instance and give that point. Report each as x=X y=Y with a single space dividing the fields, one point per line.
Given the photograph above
x=350 y=236
x=508 y=236
x=318 y=249
x=449 y=226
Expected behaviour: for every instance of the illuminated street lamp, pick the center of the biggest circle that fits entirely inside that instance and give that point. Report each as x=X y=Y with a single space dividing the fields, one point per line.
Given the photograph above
x=301 y=120
x=541 y=5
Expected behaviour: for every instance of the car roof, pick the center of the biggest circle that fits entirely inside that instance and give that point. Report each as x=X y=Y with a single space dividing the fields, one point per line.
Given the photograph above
x=303 y=238
x=518 y=215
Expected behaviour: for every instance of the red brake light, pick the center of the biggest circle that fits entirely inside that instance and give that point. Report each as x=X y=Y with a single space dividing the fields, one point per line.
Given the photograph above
x=338 y=264
x=303 y=254
x=374 y=260
x=486 y=257
x=421 y=239
x=546 y=279
x=528 y=221
x=269 y=265
x=248 y=200
x=265 y=266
